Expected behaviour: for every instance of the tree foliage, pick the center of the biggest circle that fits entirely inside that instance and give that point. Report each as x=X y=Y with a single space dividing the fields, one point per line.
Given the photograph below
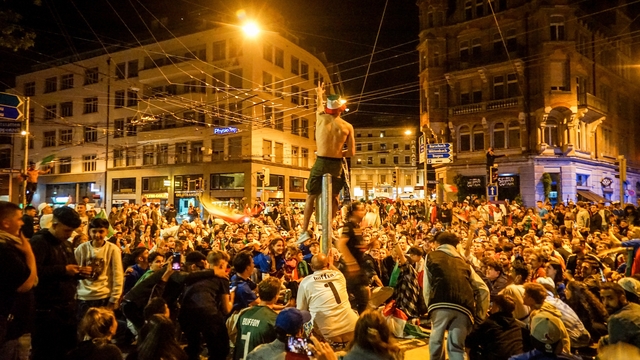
x=12 y=34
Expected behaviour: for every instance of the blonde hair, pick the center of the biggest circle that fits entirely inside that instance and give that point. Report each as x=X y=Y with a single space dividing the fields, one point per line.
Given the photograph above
x=97 y=324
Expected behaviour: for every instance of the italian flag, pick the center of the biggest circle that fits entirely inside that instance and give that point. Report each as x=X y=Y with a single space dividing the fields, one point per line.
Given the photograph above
x=449 y=188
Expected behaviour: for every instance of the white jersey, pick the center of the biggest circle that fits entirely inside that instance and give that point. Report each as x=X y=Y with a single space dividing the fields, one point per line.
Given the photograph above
x=324 y=295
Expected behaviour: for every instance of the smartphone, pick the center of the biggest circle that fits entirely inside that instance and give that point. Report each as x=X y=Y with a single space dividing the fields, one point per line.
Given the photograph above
x=175 y=261
x=298 y=345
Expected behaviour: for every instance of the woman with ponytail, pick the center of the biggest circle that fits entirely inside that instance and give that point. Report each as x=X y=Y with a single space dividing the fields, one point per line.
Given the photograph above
x=96 y=330
x=373 y=340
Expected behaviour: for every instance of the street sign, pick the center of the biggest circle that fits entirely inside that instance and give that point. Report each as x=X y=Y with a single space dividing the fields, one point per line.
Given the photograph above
x=492 y=190
x=432 y=182
x=10 y=127
x=439 y=146
x=10 y=107
x=440 y=161
x=439 y=153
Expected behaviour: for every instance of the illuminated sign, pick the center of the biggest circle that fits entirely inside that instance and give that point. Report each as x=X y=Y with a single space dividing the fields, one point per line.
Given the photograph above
x=157 y=196
x=225 y=130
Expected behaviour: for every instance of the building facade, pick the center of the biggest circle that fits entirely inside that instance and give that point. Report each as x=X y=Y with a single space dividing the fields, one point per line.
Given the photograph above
x=205 y=112
x=385 y=163
x=548 y=83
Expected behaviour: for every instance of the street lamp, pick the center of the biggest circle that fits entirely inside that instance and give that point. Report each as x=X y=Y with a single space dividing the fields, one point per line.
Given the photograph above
x=251 y=29
x=407 y=132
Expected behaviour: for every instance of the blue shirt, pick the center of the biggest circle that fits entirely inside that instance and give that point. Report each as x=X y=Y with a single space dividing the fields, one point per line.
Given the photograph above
x=244 y=292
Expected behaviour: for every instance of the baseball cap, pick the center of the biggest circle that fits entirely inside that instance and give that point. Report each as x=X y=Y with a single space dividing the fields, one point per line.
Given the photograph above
x=547 y=329
x=543 y=280
x=291 y=320
x=630 y=285
x=42 y=207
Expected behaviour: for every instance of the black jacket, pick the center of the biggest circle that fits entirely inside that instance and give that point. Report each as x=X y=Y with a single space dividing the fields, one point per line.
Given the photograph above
x=55 y=288
x=498 y=338
x=450 y=283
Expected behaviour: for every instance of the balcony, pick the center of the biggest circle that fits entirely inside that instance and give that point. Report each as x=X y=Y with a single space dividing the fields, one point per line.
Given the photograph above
x=484 y=59
x=485 y=106
x=593 y=102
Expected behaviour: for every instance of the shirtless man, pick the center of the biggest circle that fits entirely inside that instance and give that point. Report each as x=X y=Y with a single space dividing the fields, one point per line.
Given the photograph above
x=31 y=176
x=331 y=134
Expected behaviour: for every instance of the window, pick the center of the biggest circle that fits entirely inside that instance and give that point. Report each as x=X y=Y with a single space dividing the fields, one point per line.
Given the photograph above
x=383 y=147
x=267 y=52
x=359 y=161
x=5 y=158
x=295 y=156
x=498 y=87
x=89 y=162
x=163 y=154
x=182 y=153
x=304 y=70
x=476 y=96
x=383 y=134
x=557 y=27
x=235 y=79
x=396 y=160
x=124 y=185
x=30 y=88
x=396 y=146
x=279 y=123
x=90 y=134
x=370 y=160
x=267 y=82
x=279 y=152
x=66 y=82
x=118 y=128
x=119 y=99
x=234 y=147
x=297 y=184
x=468 y=12
x=512 y=41
x=118 y=159
x=407 y=146
x=295 y=125
x=91 y=76
x=558 y=78
x=512 y=85
x=498 y=47
x=279 y=87
x=407 y=180
x=479 y=8
x=478 y=138
x=66 y=136
x=90 y=105
x=499 y=136
x=197 y=151
x=383 y=160
x=305 y=99
x=131 y=156
x=64 y=166
x=295 y=94
x=131 y=129
x=407 y=160
x=550 y=132
x=358 y=147
x=436 y=99
x=132 y=71
x=465 y=138
x=476 y=47
x=266 y=150
x=295 y=65
x=121 y=71
x=132 y=98
x=304 y=127
x=148 y=155
x=370 y=147
x=50 y=112
x=464 y=51
x=465 y=98
x=304 y=156
x=383 y=178
x=66 y=109
x=582 y=180
x=31 y=116
x=219 y=50
x=232 y=181
x=50 y=85
x=279 y=59
x=49 y=138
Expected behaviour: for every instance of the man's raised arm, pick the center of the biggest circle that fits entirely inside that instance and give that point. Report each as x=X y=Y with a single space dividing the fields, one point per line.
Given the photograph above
x=320 y=97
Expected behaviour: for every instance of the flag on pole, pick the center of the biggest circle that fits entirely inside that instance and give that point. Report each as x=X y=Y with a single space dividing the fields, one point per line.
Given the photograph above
x=103 y=215
x=47 y=159
x=449 y=188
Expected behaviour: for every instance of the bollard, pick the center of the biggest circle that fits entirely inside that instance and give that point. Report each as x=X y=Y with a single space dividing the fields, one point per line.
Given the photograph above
x=325 y=204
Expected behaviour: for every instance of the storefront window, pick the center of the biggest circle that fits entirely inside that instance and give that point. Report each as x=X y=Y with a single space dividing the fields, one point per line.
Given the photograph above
x=154 y=184
x=124 y=185
x=231 y=181
x=297 y=184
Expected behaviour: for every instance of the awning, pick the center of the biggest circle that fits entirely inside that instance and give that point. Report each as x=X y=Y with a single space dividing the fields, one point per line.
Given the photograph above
x=591 y=196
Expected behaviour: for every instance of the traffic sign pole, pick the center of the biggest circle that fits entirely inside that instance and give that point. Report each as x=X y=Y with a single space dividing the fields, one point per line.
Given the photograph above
x=26 y=153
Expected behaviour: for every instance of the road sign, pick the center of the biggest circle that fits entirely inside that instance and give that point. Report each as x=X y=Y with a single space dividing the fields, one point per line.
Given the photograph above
x=432 y=182
x=492 y=190
x=10 y=100
x=439 y=146
x=440 y=161
x=10 y=107
x=438 y=155
x=10 y=127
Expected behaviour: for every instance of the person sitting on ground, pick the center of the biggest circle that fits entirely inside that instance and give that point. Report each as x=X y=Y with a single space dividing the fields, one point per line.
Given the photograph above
x=96 y=329
x=495 y=274
x=289 y=322
x=157 y=341
x=547 y=335
x=535 y=296
x=373 y=339
x=500 y=336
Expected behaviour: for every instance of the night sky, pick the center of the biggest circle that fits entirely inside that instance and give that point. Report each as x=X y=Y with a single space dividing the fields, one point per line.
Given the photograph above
x=344 y=30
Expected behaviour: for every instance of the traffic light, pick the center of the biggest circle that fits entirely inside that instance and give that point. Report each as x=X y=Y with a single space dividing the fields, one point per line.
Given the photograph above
x=261 y=176
x=394 y=178
x=266 y=176
x=198 y=183
x=493 y=174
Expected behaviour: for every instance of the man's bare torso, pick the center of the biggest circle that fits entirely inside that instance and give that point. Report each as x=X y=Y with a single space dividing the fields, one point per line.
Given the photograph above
x=331 y=134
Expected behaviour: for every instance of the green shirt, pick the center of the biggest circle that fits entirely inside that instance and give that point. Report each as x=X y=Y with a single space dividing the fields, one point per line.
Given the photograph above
x=256 y=326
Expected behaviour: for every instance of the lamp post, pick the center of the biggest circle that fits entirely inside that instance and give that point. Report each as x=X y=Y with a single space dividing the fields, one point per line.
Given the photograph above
x=26 y=153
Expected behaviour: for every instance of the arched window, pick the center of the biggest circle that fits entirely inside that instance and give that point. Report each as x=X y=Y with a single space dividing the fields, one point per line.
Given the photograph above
x=499 y=136
x=514 y=134
x=478 y=138
x=465 y=138
x=550 y=133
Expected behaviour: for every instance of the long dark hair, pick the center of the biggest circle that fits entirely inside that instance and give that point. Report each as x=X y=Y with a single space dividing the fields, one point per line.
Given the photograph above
x=372 y=333
x=582 y=300
x=157 y=341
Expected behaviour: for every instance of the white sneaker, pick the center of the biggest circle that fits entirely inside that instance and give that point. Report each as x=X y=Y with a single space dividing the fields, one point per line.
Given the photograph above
x=303 y=237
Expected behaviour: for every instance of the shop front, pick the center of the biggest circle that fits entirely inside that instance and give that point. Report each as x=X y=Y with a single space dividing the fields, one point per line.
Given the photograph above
x=473 y=185
x=155 y=190
x=508 y=187
x=187 y=189
x=59 y=194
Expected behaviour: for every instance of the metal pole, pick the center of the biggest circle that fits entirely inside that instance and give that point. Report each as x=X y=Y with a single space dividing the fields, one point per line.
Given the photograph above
x=325 y=205
x=26 y=154
x=397 y=181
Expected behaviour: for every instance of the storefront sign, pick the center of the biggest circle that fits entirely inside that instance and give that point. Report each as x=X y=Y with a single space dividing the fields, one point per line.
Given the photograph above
x=606 y=182
x=474 y=182
x=225 y=130
x=187 y=193
x=156 y=196
x=506 y=181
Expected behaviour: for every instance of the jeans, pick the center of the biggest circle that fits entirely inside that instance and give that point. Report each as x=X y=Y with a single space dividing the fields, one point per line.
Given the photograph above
x=457 y=324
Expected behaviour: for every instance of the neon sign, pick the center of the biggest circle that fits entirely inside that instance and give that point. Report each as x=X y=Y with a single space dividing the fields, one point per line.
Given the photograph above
x=225 y=130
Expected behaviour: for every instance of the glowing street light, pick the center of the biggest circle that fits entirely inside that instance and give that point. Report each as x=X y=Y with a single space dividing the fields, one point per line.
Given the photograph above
x=251 y=29
x=407 y=132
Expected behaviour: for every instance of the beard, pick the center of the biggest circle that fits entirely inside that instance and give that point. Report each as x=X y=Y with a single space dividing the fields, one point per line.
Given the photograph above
x=611 y=310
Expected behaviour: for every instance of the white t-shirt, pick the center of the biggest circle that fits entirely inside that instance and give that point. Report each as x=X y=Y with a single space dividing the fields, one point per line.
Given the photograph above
x=324 y=294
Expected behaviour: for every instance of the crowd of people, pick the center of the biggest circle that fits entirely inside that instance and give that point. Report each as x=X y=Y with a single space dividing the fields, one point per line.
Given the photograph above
x=503 y=280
